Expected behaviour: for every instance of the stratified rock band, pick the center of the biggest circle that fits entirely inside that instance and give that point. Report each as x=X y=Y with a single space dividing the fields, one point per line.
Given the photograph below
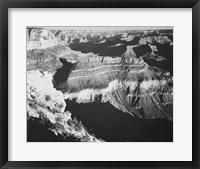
x=99 y=84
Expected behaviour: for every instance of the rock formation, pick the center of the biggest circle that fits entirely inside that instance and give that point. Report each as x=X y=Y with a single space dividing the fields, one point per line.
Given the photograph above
x=47 y=104
x=55 y=73
x=130 y=85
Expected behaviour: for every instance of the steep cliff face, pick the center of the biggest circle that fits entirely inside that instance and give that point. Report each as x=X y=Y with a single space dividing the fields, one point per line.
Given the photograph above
x=130 y=85
x=148 y=99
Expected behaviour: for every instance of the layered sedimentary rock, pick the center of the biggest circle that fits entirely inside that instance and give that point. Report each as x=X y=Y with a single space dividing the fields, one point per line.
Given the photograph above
x=56 y=73
x=128 y=84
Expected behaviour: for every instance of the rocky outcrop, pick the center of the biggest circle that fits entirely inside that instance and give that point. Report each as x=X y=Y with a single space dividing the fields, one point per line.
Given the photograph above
x=148 y=99
x=152 y=55
x=128 y=38
x=47 y=104
x=129 y=84
x=154 y=39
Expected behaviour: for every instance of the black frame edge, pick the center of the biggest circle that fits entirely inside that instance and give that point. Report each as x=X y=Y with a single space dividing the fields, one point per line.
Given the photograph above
x=100 y=3
x=4 y=86
x=4 y=5
x=1 y=71
x=195 y=84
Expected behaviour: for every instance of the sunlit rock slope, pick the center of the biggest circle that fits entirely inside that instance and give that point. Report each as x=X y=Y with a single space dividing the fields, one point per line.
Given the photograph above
x=47 y=104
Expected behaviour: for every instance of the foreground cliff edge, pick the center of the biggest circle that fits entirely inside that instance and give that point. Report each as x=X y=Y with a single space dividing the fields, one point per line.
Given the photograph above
x=56 y=73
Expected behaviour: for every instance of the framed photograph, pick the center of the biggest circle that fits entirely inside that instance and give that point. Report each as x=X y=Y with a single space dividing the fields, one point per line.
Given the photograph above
x=99 y=84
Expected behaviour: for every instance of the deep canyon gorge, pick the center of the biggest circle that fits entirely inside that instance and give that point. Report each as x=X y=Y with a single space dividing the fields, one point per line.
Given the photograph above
x=86 y=85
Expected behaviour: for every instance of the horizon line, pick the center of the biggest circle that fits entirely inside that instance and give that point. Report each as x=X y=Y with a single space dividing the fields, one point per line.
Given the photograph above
x=103 y=28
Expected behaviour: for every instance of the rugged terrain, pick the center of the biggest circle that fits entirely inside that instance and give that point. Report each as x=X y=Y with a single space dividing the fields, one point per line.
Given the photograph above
x=93 y=66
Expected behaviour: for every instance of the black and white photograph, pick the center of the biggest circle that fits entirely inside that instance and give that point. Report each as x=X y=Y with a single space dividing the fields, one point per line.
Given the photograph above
x=99 y=84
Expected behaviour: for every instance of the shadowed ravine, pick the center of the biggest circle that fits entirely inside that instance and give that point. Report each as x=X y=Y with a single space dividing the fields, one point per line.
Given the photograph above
x=110 y=124
x=62 y=73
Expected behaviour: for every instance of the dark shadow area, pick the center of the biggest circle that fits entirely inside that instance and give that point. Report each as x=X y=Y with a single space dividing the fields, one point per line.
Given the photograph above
x=104 y=49
x=141 y=50
x=110 y=124
x=38 y=131
x=166 y=51
x=62 y=73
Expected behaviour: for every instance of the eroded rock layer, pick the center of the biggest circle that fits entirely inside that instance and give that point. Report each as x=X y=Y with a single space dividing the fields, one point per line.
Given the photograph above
x=56 y=72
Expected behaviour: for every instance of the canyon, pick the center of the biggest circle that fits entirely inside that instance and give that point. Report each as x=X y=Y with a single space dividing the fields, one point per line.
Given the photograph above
x=71 y=67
